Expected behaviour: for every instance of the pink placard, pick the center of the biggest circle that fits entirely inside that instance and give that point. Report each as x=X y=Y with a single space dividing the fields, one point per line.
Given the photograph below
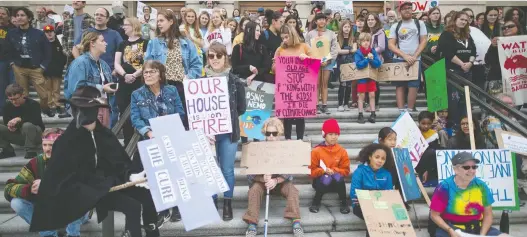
x=296 y=87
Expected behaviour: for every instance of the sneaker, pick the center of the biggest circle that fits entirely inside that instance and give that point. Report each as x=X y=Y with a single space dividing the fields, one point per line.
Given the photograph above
x=360 y=119
x=7 y=154
x=64 y=114
x=162 y=218
x=176 y=216
x=324 y=109
x=251 y=231
x=314 y=208
x=346 y=108
x=319 y=109
x=340 y=109
x=344 y=209
x=298 y=231
x=372 y=118
x=30 y=155
x=49 y=112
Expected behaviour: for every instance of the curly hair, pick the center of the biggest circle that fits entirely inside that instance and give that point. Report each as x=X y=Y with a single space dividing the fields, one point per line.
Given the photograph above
x=367 y=152
x=459 y=34
x=273 y=122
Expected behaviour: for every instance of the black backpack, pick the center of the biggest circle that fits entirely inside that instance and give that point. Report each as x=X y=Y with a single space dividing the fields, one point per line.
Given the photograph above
x=416 y=21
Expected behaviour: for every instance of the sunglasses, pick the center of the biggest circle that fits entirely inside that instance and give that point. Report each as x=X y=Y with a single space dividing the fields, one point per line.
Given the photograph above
x=506 y=27
x=268 y=134
x=218 y=56
x=467 y=167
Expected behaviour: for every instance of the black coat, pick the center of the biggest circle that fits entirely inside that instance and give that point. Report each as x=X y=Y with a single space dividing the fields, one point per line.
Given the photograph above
x=74 y=181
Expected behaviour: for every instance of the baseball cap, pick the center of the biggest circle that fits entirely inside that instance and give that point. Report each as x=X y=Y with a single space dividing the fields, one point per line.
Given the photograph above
x=117 y=10
x=406 y=3
x=48 y=28
x=327 y=12
x=463 y=157
x=260 y=9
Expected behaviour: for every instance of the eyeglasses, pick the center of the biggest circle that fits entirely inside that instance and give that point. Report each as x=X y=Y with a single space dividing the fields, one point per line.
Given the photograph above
x=506 y=27
x=268 y=134
x=467 y=167
x=150 y=72
x=218 y=56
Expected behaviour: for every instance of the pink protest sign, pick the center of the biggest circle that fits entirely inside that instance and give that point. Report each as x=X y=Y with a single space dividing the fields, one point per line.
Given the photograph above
x=296 y=87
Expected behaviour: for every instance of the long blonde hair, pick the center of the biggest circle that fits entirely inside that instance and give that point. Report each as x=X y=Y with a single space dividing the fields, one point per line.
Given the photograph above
x=136 y=25
x=294 y=39
x=88 y=39
x=211 y=24
x=195 y=26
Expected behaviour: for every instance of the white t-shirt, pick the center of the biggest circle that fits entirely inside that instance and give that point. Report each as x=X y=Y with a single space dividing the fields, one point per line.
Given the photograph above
x=408 y=38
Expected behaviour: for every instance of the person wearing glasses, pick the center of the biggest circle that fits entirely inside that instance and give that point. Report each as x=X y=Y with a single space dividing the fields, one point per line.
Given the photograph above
x=463 y=202
x=281 y=184
x=154 y=99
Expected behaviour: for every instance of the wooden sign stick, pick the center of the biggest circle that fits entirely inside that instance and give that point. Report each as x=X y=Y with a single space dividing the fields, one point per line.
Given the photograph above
x=423 y=190
x=127 y=185
x=469 y=117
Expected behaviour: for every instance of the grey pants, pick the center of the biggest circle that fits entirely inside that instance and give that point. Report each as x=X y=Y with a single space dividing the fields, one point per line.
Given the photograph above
x=29 y=136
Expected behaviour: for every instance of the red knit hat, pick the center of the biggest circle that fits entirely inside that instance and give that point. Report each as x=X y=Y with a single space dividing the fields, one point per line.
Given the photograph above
x=330 y=126
x=48 y=28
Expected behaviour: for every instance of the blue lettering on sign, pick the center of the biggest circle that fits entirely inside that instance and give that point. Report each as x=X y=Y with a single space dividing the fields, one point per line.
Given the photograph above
x=500 y=170
x=500 y=194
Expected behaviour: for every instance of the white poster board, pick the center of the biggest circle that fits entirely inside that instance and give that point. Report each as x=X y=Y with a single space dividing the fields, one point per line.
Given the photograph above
x=208 y=107
x=482 y=43
x=409 y=136
x=511 y=141
x=345 y=8
x=512 y=52
x=68 y=8
x=497 y=169
x=140 y=14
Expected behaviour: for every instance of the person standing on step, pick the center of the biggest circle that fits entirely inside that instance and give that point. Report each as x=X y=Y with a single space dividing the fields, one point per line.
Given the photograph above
x=227 y=144
x=371 y=174
x=218 y=33
x=281 y=184
x=348 y=47
x=330 y=165
x=324 y=47
x=23 y=124
x=292 y=46
x=53 y=73
x=6 y=73
x=407 y=40
x=271 y=36
x=364 y=57
x=379 y=43
x=22 y=191
x=30 y=55
x=41 y=19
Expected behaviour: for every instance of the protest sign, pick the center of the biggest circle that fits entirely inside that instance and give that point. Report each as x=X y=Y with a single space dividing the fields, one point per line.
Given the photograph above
x=385 y=214
x=296 y=87
x=512 y=52
x=68 y=8
x=208 y=105
x=497 y=168
x=511 y=141
x=280 y=157
x=140 y=11
x=386 y=72
x=182 y=171
x=436 y=93
x=345 y=8
x=422 y=5
x=320 y=47
x=482 y=43
x=405 y=171
x=259 y=108
x=409 y=136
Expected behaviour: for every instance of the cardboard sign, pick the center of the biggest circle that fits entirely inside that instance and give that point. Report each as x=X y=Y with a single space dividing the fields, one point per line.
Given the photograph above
x=208 y=105
x=279 y=157
x=512 y=52
x=497 y=169
x=181 y=170
x=385 y=214
x=259 y=108
x=422 y=5
x=511 y=141
x=436 y=92
x=320 y=47
x=296 y=87
x=405 y=171
x=387 y=72
x=409 y=136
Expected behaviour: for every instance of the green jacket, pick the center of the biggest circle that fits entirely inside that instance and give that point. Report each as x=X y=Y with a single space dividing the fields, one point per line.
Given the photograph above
x=433 y=36
x=333 y=26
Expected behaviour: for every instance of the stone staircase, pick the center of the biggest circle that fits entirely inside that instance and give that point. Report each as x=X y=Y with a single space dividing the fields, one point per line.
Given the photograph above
x=328 y=222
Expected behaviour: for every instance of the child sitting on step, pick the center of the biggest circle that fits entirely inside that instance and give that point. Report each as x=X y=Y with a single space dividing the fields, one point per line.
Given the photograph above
x=427 y=167
x=364 y=57
x=330 y=165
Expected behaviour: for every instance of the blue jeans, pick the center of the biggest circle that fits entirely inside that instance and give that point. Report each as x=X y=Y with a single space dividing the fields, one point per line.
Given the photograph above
x=226 y=154
x=24 y=209
x=6 y=75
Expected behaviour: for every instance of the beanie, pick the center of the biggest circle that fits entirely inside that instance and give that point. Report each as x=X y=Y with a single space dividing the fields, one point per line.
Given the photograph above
x=330 y=126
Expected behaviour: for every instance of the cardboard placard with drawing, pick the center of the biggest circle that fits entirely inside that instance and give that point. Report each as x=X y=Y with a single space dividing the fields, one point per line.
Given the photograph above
x=387 y=72
x=280 y=157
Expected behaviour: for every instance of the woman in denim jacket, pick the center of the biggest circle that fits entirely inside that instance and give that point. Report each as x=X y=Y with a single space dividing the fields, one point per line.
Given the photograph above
x=155 y=98
x=176 y=52
x=88 y=70
x=227 y=144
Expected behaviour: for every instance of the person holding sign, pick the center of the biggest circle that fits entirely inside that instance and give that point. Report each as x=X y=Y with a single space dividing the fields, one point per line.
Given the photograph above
x=427 y=167
x=330 y=165
x=348 y=47
x=461 y=141
x=227 y=144
x=371 y=174
x=463 y=201
x=365 y=57
x=275 y=183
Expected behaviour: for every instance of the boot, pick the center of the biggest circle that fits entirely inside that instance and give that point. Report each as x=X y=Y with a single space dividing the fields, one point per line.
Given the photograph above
x=162 y=217
x=8 y=153
x=227 y=210
x=176 y=216
x=372 y=117
x=315 y=205
x=344 y=209
x=360 y=119
x=151 y=230
x=49 y=112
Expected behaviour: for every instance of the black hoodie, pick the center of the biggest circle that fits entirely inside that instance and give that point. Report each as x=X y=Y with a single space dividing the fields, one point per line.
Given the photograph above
x=58 y=60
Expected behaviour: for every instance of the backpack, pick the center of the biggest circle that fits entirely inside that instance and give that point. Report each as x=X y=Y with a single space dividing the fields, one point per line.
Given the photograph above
x=387 y=54
x=416 y=21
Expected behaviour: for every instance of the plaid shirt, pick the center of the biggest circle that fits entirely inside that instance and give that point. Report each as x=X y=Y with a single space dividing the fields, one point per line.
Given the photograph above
x=68 y=32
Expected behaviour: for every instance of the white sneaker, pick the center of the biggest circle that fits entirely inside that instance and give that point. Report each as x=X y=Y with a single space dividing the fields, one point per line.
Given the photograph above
x=340 y=108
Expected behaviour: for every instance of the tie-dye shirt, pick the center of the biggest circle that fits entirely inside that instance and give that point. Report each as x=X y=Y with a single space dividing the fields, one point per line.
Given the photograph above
x=461 y=205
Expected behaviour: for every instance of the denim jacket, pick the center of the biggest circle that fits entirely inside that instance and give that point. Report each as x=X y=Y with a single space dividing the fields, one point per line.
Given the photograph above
x=157 y=50
x=85 y=71
x=38 y=47
x=143 y=106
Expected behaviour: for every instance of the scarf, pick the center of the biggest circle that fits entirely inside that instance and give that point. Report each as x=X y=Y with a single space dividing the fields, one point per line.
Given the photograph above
x=365 y=51
x=211 y=73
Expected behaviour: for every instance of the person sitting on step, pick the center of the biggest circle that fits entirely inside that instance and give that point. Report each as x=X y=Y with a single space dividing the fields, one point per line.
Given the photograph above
x=23 y=124
x=275 y=183
x=427 y=167
x=330 y=165
x=371 y=174
x=22 y=190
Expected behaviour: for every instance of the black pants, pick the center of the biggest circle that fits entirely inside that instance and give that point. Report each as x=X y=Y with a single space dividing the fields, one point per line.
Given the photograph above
x=123 y=97
x=320 y=190
x=246 y=139
x=358 y=212
x=300 y=127
x=181 y=92
x=344 y=94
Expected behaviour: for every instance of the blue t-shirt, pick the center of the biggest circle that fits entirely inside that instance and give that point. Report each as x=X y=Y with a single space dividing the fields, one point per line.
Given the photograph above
x=77 y=28
x=113 y=39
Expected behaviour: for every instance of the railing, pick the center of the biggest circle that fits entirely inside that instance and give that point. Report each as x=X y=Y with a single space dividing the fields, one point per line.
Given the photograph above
x=108 y=224
x=481 y=97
